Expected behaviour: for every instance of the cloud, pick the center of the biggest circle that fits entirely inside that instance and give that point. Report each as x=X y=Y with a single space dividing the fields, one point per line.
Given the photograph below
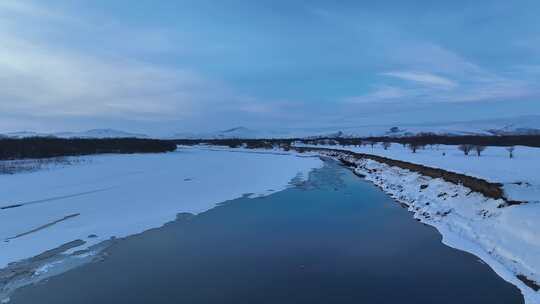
x=426 y=56
x=381 y=93
x=507 y=90
x=44 y=79
x=51 y=81
x=427 y=72
x=74 y=63
x=25 y=8
x=421 y=67
x=423 y=78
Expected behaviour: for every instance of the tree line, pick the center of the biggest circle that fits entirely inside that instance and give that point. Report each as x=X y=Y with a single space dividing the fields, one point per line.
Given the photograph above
x=433 y=139
x=422 y=139
x=414 y=146
x=46 y=147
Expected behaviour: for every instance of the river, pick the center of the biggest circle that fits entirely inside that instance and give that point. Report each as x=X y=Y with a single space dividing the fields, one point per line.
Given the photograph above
x=331 y=239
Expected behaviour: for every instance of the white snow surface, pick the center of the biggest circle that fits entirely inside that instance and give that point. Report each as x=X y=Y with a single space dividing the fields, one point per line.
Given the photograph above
x=507 y=238
x=520 y=175
x=120 y=195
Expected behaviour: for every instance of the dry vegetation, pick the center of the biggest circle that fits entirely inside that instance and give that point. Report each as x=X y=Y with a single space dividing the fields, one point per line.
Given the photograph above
x=30 y=165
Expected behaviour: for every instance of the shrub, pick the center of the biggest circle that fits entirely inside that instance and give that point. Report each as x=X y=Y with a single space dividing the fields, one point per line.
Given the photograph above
x=479 y=149
x=511 y=151
x=465 y=148
x=415 y=146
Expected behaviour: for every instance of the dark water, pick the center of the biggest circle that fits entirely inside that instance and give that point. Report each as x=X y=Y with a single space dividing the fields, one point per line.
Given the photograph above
x=335 y=239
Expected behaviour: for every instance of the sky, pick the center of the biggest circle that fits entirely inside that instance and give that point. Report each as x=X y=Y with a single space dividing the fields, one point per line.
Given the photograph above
x=160 y=67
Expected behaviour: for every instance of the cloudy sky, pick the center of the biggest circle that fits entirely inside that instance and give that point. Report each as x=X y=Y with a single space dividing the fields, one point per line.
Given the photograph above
x=174 y=65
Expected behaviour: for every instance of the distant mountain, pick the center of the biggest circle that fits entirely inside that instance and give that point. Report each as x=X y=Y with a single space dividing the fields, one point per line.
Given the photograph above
x=525 y=125
x=24 y=134
x=233 y=133
x=529 y=125
x=99 y=133
x=95 y=133
x=246 y=133
x=238 y=132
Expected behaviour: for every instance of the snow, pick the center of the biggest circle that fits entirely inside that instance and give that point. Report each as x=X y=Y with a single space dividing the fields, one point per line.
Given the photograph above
x=45 y=268
x=120 y=195
x=507 y=238
x=519 y=175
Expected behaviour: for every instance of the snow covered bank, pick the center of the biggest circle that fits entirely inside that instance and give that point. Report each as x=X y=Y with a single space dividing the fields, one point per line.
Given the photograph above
x=120 y=195
x=505 y=238
x=519 y=175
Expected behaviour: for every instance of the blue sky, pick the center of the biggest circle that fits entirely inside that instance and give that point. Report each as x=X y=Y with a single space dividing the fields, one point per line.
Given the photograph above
x=172 y=66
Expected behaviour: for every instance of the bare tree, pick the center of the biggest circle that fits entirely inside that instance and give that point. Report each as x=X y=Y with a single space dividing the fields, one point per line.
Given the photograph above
x=368 y=142
x=511 y=151
x=386 y=145
x=465 y=148
x=414 y=147
x=479 y=149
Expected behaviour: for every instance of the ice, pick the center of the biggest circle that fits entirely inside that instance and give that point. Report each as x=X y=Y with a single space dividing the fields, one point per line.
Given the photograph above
x=119 y=195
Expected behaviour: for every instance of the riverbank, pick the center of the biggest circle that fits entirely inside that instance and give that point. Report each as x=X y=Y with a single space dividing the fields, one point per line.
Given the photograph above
x=503 y=235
